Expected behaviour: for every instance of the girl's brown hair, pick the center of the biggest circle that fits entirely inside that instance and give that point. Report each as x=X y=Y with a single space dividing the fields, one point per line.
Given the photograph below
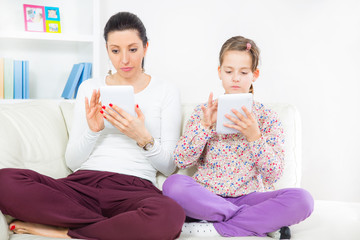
x=239 y=43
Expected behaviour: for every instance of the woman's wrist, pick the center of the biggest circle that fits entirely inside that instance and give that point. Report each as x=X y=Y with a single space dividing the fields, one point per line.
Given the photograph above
x=148 y=145
x=144 y=140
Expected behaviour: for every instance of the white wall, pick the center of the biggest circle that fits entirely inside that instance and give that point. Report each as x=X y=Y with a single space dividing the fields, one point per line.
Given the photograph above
x=310 y=58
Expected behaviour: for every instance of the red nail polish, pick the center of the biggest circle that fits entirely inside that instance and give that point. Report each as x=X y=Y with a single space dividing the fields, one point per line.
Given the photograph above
x=105 y=117
x=137 y=105
x=101 y=111
x=103 y=107
x=12 y=227
x=110 y=104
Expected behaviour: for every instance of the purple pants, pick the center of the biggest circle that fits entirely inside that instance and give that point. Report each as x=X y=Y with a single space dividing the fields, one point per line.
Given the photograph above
x=254 y=214
x=92 y=204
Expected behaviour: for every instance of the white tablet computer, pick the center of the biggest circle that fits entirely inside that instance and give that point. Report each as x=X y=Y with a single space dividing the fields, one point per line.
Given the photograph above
x=225 y=104
x=121 y=96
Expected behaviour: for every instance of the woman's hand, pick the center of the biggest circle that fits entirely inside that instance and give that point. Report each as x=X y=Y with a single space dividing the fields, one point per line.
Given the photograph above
x=248 y=125
x=210 y=112
x=93 y=110
x=133 y=127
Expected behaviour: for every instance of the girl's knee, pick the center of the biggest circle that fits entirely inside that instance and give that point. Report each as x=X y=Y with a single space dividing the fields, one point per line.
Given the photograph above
x=175 y=185
x=303 y=200
x=307 y=200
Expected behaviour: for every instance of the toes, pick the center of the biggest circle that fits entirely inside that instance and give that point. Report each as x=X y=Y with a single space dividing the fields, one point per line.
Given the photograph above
x=21 y=231
x=17 y=227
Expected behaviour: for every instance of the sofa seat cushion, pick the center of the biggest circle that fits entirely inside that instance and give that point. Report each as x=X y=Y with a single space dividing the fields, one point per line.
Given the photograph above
x=330 y=220
x=33 y=136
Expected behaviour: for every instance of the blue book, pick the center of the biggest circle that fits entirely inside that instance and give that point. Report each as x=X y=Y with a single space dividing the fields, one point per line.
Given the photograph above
x=25 y=79
x=18 y=82
x=8 y=78
x=84 y=76
x=72 y=81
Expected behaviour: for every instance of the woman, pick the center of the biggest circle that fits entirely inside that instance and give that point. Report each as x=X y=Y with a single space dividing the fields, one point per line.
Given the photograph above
x=111 y=194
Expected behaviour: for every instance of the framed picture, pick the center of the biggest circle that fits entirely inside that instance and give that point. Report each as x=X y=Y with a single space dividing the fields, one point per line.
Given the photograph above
x=53 y=26
x=34 y=18
x=52 y=13
x=52 y=19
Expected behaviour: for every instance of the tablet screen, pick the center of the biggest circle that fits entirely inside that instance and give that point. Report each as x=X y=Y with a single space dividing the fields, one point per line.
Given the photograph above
x=121 y=96
x=225 y=104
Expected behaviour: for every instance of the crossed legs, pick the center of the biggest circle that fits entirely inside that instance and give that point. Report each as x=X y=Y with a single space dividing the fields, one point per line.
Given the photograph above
x=88 y=205
x=255 y=214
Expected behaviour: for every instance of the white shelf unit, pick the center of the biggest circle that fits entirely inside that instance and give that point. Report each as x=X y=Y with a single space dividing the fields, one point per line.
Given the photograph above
x=51 y=55
x=46 y=36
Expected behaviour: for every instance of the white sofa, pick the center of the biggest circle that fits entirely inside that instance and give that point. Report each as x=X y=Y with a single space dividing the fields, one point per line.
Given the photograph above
x=34 y=134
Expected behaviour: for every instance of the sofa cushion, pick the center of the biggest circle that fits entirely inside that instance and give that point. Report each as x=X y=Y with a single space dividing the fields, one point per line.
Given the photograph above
x=33 y=136
x=4 y=235
x=288 y=115
x=290 y=119
x=67 y=109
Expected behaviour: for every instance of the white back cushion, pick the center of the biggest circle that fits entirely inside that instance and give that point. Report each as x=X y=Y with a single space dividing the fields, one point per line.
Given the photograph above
x=290 y=118
x=33 y=136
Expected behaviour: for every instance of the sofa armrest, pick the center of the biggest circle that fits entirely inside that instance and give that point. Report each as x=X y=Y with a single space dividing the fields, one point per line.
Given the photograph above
x=4 y=229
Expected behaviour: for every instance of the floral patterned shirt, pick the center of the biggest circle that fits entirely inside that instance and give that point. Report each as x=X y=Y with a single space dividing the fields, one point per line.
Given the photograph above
x=229 y=165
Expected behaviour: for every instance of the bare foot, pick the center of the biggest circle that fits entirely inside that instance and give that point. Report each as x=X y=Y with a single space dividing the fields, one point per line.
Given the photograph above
x=20 y=227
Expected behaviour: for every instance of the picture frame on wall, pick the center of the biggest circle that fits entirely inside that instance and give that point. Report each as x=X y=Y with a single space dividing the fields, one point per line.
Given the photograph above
x=52 y=13
x=34 y=17
x=53 y=26
x=52 y=19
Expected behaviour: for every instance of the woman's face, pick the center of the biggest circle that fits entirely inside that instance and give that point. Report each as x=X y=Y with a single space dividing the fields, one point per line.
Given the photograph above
x=126 y=52
x=235 y=72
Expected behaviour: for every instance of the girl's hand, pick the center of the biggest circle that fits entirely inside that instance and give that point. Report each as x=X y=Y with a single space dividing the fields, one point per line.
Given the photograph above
x=93 y=110
x=133 y=127
x=210 y=112
x=248 y=125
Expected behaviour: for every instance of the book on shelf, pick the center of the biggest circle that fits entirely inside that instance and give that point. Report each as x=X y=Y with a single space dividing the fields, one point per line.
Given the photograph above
x=86 y=74
x=18 y=74
x=72 y=81
x=8 y=78
x=14 y=79
x=79 y=73
x=25 y=79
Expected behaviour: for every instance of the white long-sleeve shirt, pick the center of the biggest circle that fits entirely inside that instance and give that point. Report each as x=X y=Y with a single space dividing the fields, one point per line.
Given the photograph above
x=110 y=150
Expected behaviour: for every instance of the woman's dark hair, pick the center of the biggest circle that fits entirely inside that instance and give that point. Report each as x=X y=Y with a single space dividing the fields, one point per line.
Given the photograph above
x=126 y=21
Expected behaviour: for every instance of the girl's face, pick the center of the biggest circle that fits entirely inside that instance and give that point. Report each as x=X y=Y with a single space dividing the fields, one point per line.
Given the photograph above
x=235 y=72
x=126 y=52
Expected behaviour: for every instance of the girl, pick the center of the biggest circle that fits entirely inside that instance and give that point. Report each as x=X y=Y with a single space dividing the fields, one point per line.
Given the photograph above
x=111 y=194
x=232 y=188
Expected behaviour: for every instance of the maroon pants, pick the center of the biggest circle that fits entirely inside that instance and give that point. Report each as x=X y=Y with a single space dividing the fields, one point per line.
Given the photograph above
x=92 y=204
